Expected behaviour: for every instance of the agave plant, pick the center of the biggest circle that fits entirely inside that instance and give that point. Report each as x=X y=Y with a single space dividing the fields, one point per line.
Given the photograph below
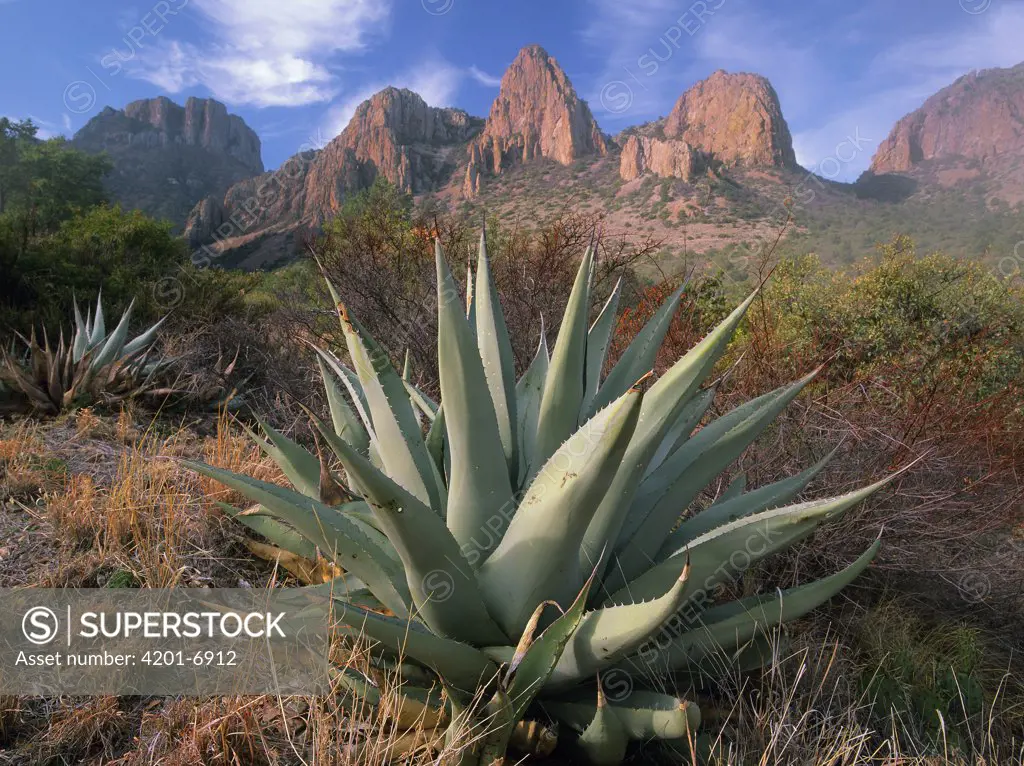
x=94 y=367
x=537 y=534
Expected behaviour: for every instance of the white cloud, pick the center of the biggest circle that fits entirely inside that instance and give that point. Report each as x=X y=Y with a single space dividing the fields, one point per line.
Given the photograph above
x=436 y=80
x=265 y=52
x=483 y=78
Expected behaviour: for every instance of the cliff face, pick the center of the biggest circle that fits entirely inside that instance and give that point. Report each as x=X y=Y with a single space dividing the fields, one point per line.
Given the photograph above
x=979 y=117
x=727 y=119
x=676 y=159
x=167 y=157
x=201 y=122
x=536 y=114
x=394 y=134
x=736 y=118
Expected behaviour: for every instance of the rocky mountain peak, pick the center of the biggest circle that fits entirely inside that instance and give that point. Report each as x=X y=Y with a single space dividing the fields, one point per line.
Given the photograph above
x=736 y=118
x=537 y=114
x=978 y=118
x=407 y=119
x=202 y=122
x=167 y=157
x=394 y=134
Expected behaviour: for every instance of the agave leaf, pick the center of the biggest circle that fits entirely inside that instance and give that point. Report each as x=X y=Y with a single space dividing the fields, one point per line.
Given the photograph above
x=683 y=379
x=537 y=559
x=470 y=297
x=688 y=470
x=760 y=652
x=396 y=435
x=460 y=664
x=399 y=440
x=80 y=342
x=330 y=491
x=300 y=466
x=599 y=339
x=54 y=385
x=739 y=426
x=88 y=322
x=346 y=423
x=441 y=581
x=725 y=551
x=688 y=419
x=611 y=515
x=638 y=358
x=113 y=345
x=727 y=509
x=424 y=404
x=500 y=722
x=276 y=531
x=145 y=339
x=351 y=590
x=539 y=661
x=644 y=715
x=409 y=706
x=351 y=382
x=324 y=527
x=735 y=489
x=614 y=523
x=562 y=397
x=16 y=376
x=528 y=394
x=383 y=663
x=306 y=570
x=607 y=635
x=437 y=447
x=479 y=490
x=604 y=741
x=349 y=542
x=98 y=329
x=496 y=354
x=725 y=627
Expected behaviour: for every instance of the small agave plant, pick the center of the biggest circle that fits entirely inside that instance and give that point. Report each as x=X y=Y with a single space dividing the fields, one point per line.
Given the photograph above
x=94 y=367
x=536 y=536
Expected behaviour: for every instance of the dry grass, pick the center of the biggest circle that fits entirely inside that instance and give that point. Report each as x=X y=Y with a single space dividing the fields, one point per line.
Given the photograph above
x=104 y=497
x=97 y=500
x=808 y=707
x=142 y=523
x=28 y=467
x=811 y=707
x=231 y=449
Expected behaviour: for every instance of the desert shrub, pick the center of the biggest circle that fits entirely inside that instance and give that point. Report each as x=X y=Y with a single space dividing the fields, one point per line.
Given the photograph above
x=126 y=253
x=936 y=316
x=921 y=359
x=382 y=253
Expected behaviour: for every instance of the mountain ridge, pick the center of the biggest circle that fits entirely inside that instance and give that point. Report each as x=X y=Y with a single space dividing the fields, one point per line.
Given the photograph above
x=167 y=157
x=705 y=173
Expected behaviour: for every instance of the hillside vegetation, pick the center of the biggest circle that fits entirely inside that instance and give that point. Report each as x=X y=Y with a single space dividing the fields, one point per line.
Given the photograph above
x=921 y=355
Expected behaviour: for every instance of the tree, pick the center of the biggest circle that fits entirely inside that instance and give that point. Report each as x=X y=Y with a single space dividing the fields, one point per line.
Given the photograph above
x=14 y=138
x=42 y=185
x=61 y=182
x=124 y=252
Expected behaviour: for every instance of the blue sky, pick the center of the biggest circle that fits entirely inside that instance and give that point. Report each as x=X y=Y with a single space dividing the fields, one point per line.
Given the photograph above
x=295 y=69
